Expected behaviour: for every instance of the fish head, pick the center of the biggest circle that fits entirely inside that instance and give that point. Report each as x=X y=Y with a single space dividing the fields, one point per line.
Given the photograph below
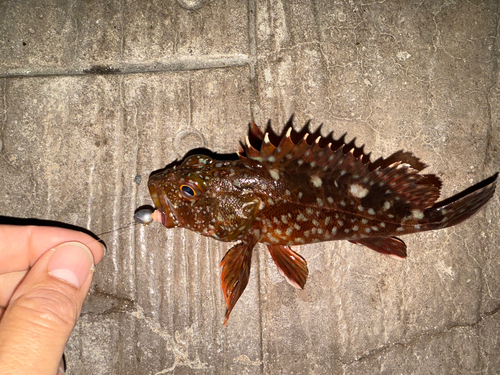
x=197 y=195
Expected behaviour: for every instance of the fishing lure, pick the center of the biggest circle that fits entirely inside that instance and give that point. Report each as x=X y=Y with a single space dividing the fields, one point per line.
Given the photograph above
x=301 y=188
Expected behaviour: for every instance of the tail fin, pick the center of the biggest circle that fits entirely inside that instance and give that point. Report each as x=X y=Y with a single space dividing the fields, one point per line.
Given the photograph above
x=461 y=206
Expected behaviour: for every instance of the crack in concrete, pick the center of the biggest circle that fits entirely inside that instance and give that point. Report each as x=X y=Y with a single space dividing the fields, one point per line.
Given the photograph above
x=175 y=65
x=178 y=344
x=495 y=54
x=417 y=337
x=4 y=105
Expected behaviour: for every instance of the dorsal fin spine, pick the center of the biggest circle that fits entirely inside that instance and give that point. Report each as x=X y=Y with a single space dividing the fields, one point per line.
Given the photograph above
x=312 y=149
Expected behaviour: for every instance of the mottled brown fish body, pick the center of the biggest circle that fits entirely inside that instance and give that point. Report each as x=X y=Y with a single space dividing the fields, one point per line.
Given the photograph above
x=302 y=189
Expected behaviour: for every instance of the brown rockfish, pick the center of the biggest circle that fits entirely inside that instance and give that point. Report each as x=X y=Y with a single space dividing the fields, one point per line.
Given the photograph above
x=301 y=188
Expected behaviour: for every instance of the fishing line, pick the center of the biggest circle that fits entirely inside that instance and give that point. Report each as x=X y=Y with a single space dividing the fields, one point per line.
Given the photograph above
x=108 y=232
x=117 y=229
x=142 y=216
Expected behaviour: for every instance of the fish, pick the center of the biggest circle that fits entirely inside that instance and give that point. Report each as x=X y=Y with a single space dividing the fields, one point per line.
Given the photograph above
x=300 y=187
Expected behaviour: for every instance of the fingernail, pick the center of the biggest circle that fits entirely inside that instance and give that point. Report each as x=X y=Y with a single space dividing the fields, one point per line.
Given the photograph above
x=104 y=247
x=71 y=263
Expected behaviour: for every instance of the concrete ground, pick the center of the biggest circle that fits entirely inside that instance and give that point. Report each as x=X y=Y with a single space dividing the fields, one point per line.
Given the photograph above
x=95 y=95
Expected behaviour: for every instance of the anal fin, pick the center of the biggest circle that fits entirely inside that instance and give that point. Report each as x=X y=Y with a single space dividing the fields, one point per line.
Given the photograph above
x=391 y=246
x=290 y=264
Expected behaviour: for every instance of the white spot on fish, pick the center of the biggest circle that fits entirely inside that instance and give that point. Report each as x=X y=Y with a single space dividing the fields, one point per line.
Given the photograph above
x=400 y=229
x=358 y=191
x=319 y=201
x=316 y=181
x=368 y=230
x=355 y=228
x=275 y=174
x=342 y=203
x=273 y=239
x=271 y=159
x=417 y=214
x=387 y=205
x=361 y=208
x=300 y=194
x=327 y=220
x=301 y=217
x=296 y=226
x=330 y=200
x=287 y=192
x=371 y=212
x=364 y=221
x=334 y=231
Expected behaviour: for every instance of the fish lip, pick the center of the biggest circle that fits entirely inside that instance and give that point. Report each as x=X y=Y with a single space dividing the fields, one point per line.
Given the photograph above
x=169 y=219
x=168 y=213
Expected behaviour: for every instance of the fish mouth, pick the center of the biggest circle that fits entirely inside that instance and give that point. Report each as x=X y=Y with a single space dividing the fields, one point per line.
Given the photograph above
x=165 y=208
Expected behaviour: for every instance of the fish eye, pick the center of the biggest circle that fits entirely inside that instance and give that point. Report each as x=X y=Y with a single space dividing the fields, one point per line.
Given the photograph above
x=189 y=191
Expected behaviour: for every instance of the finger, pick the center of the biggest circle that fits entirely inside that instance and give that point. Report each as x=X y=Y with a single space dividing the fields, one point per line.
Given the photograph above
x=9 y=282
x=21 y=246
x=43 y=310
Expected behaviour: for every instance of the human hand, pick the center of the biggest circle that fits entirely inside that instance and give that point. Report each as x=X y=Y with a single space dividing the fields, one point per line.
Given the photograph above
x=45 y=274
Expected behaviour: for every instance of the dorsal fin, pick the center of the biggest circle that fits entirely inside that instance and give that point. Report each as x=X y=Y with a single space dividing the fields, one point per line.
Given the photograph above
x=338 y=162
x=261 y=145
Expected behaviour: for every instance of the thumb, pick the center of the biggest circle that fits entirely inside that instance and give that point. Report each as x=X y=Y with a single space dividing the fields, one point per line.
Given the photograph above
x=43 y=310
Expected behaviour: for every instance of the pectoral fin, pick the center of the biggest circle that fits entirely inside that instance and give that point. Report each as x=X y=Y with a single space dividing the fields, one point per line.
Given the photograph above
x=392 y=246
x=290 y=264
x=235 y=272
